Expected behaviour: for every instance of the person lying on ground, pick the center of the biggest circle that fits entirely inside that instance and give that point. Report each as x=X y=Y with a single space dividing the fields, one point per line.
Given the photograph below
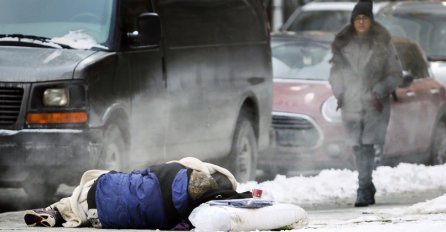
x=158 y=197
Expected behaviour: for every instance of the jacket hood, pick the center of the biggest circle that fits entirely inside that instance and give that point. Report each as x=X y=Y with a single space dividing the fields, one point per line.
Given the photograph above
x=379 y=32
x=27 y=64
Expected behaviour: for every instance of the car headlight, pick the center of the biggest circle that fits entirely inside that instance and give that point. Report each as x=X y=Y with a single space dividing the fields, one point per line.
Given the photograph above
x=56 y=97
x=329 y=110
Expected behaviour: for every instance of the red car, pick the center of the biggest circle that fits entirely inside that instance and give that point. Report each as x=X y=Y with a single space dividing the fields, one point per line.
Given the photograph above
x=308 y=134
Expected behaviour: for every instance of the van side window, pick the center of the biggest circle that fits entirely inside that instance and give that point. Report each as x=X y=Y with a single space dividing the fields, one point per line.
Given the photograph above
x=193 y=24
x=132 y=9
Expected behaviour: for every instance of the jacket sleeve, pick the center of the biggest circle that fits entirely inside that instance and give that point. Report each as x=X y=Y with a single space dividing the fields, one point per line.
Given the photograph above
x=392 y=75
x=336 y=78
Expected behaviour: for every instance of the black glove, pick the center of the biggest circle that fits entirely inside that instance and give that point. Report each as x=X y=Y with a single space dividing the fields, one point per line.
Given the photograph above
x=340 y=102
x=377 y=103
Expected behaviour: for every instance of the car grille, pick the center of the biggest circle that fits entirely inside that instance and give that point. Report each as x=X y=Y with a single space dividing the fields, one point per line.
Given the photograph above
x=10 y=102
x=295 y=131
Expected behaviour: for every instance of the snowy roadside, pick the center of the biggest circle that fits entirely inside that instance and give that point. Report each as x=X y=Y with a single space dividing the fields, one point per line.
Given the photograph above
x=338 y=187
x=404 y=199
x=375 y=218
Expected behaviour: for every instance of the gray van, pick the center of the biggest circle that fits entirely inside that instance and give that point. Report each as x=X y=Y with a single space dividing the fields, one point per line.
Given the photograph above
x=121 y=84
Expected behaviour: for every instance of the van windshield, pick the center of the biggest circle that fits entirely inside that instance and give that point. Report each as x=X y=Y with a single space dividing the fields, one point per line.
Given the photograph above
x=82 y=24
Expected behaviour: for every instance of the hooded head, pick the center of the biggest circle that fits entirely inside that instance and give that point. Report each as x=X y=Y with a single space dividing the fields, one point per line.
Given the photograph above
x=364 y=7
x=200 y=183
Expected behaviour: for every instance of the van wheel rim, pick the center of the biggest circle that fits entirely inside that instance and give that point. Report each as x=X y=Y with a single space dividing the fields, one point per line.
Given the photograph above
x=244 y=160
x=112 y=154
x=113 y=149
x=440 y=144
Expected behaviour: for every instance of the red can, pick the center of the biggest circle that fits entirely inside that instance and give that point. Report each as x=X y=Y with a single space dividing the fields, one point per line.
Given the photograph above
x=257 y=193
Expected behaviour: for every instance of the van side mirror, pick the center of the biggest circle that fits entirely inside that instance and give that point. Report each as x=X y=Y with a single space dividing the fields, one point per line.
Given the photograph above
x=407 y=79
x=149 y=31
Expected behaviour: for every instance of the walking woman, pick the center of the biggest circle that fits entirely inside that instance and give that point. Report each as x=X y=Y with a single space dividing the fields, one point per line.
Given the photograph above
x=365 y=71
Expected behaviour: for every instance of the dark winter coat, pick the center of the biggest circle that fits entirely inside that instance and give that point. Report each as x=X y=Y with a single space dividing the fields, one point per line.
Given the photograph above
x=364 y=73
x=154 y=198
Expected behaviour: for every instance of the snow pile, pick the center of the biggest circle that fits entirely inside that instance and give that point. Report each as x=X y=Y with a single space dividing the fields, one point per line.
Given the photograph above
x=329 y=185
x=338 y=187
x=409 y=178
x=437 y=205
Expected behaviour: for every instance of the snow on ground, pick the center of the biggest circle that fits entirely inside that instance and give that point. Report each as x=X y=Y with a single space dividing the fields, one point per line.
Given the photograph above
x=338 y=188
x=437 y=205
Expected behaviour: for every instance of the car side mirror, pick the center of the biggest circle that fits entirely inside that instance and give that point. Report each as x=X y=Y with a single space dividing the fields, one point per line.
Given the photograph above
x=407 y=79
x=149 y=31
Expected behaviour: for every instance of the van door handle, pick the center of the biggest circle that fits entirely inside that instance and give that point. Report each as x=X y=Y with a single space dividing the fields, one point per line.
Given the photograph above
x=435 y=91
x=411 y=94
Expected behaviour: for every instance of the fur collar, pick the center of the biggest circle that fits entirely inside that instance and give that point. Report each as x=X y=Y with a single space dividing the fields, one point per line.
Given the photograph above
x=379 y=34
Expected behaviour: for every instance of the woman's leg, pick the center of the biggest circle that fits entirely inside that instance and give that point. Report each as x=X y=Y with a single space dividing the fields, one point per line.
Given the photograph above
x=365 y=158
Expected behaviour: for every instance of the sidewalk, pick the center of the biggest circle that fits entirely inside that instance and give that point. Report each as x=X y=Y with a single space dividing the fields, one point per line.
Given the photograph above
x=379 y=218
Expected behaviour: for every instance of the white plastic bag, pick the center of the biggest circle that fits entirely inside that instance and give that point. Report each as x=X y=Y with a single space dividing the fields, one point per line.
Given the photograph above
x=208 y=217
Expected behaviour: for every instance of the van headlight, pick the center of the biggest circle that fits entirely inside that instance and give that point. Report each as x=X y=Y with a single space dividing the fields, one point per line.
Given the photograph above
x=56 y=97
x=329 y=110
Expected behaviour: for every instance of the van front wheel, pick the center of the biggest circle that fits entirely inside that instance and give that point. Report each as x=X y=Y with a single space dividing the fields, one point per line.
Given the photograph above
x=114 y=149
x=243 y=157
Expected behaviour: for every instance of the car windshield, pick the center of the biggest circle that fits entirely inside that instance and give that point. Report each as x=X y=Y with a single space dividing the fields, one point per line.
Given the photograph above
x=428 y=30
x=331 y=21
x=301 y=60
x=64 y=21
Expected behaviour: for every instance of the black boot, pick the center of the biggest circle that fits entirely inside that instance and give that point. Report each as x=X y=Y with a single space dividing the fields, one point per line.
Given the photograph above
x=362 y=198
x=365 y=155
x=365 y=196
x=371 y=195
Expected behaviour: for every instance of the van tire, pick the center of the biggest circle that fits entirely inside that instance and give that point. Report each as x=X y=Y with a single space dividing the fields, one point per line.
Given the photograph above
x=114 y=152
x=243 y=156
x=438 y=148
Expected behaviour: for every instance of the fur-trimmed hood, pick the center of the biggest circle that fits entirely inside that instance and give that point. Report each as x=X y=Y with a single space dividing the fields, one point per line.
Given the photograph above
x=378 y=33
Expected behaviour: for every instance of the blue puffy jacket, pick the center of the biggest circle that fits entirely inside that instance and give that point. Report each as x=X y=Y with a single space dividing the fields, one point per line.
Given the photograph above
x=154 y=198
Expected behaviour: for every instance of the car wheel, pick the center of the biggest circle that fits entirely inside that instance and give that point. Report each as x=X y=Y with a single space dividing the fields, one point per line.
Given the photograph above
x=439 y=143
x=243 y=156
x=113 y=157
